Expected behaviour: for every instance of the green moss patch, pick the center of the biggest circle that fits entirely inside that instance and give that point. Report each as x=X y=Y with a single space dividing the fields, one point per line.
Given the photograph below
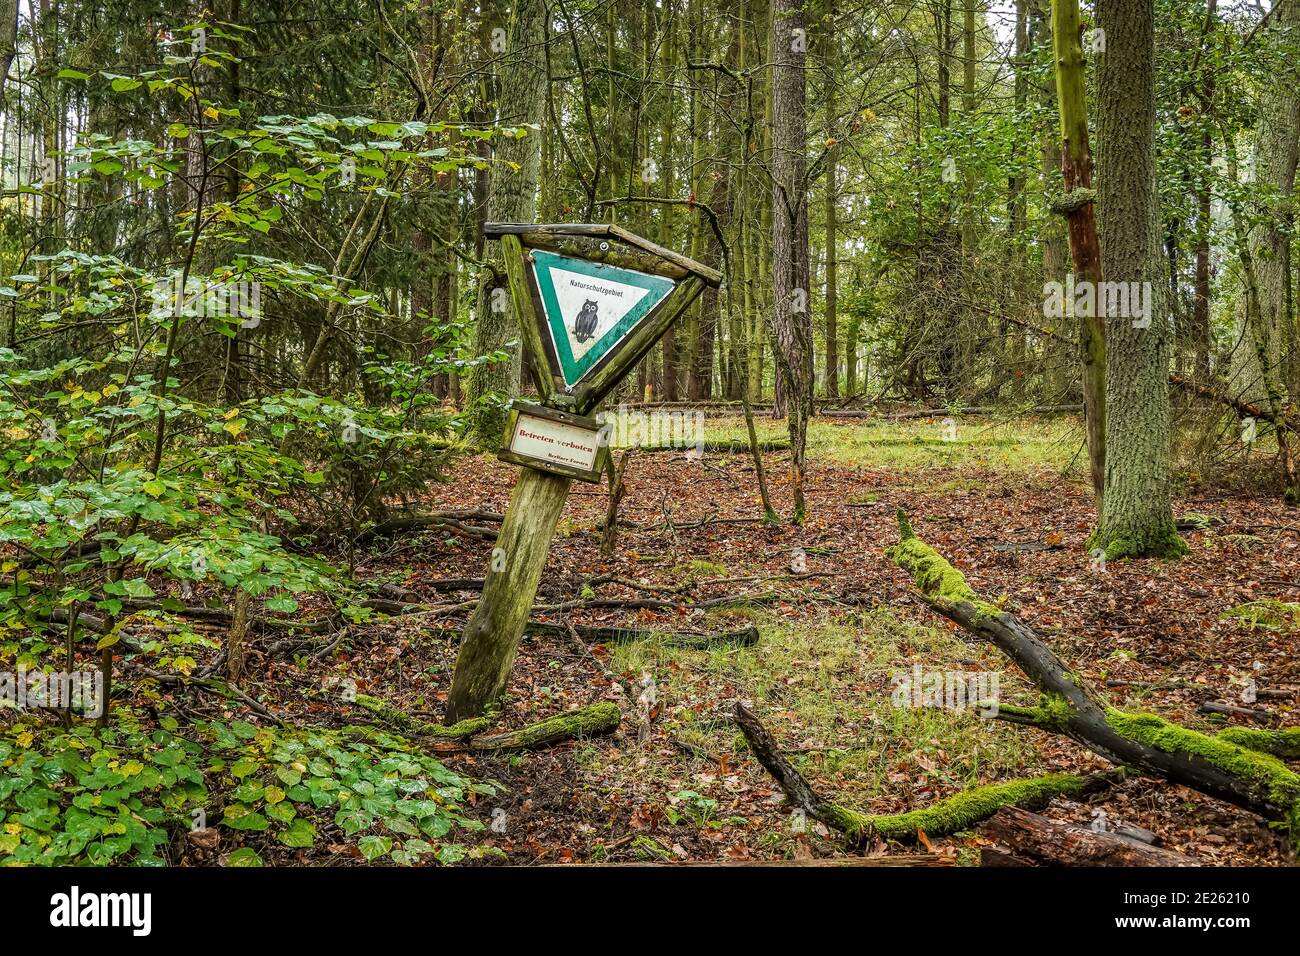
x=1268 y=615
x=957 y=812
x=1272 y=780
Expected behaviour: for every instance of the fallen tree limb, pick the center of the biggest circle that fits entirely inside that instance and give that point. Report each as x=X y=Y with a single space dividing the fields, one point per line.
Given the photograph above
x=948 y=816
x=386 y=529
x=457 y=584
x=1066 y=844
x=1243 y=408
x=1215 y=766
x=1223 y=707
x=591 y=721
x=1279 y=743
x=744 y=637
x=902 y=860
x=719 y=447
x=403 y=720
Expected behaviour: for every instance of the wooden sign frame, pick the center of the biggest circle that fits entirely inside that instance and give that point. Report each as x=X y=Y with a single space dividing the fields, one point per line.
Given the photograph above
x=510 y=585
x=601 y=243
x=521 y=409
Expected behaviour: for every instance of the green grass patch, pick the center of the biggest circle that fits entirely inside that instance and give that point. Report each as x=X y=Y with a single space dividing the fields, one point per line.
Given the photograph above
x=1017 y=446
x=825 y=688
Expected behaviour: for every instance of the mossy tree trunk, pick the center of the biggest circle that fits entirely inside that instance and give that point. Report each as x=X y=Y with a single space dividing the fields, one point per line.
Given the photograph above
x=1085 y=249
x=512 y=198
x=514 y=571
x=1136 y=515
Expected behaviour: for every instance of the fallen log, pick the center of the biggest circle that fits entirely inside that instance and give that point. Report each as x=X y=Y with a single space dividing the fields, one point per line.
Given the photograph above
x=744 y=637
x=946 y=817
x=946 y=412
x=456 y=584
x=1223 y=707
x=1066 y=844
x=1279 y=743
x=902 y=860
x=454 y=522
x=1214 y=766
x=719 y=447
x=404 y=721
x=592 y=721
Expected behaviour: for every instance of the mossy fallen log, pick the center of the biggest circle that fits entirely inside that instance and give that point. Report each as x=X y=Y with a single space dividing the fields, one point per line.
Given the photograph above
x=1279 y=743
x=948 y=816
x=591 y=721
x=1219 y=767
x=422 y=728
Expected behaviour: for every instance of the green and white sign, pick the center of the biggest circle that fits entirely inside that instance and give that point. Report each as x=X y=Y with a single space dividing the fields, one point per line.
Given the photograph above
x=591 y=307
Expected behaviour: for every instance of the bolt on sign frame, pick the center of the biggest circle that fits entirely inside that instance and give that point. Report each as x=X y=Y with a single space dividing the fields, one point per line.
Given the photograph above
x=630 y=287
x=591 y=299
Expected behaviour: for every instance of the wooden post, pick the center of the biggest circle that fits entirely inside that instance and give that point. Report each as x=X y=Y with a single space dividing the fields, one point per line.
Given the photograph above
x=491 y=638
x=492 y=635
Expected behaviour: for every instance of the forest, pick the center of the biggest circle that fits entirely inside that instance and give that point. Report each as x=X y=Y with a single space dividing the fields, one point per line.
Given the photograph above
x=817 y=433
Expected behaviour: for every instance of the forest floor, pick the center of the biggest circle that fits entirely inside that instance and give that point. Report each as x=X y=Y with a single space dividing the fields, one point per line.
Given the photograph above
x=1003 y=502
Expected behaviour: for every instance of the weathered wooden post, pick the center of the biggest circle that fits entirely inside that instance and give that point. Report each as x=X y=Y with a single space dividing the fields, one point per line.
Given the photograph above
x=591 y=300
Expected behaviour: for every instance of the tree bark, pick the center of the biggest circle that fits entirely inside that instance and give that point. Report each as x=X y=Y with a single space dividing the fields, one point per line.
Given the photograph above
x=1085 y=250
x=512 y=198
x=831 y=39
x=8 y=38
x=791 y=318
x=1136 y=515
x=1277 y=150
x=1066 y=844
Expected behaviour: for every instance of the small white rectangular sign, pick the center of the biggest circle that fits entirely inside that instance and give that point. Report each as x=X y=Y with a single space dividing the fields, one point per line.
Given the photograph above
x=556 y=442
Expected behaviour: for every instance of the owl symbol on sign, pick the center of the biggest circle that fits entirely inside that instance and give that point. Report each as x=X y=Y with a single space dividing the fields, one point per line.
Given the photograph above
x=584 y=327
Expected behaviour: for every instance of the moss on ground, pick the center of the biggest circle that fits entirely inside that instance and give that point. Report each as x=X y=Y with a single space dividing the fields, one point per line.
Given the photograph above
x=1268 y=615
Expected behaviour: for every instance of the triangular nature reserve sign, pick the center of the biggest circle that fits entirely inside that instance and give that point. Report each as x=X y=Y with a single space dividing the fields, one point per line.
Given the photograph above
x=590 y=308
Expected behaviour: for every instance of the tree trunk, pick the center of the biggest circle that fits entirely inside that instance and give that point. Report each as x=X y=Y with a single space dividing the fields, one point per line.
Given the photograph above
x=8 y=38
x=1076 y=170
x=1204 y=212
x=1136 y=516
x=791 y=318
x=512 y=198
x=1066 y=844
x=670 y=391
x=1277 y=150
x=832 y=379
